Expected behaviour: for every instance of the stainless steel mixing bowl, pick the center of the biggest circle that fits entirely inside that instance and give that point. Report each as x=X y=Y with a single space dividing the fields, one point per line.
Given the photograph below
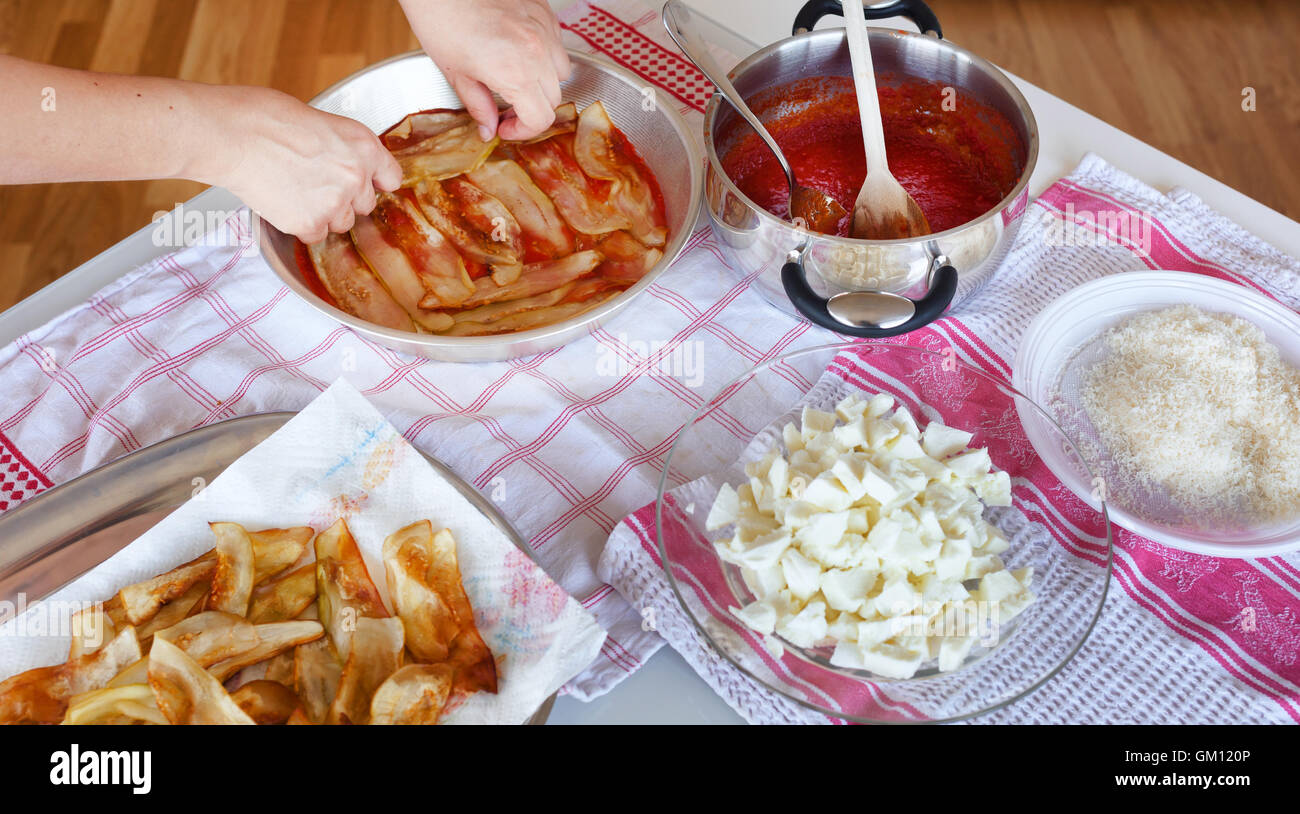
x=380 y=95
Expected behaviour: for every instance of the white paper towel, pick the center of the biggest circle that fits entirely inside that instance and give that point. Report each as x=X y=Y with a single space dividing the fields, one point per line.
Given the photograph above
x=340 y=458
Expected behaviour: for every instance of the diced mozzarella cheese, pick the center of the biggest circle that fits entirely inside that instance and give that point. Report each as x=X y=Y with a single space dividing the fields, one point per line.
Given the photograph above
x=806 y=628
x=861 y=533
x=940 y=441
x=802 y=575
x=847 y=589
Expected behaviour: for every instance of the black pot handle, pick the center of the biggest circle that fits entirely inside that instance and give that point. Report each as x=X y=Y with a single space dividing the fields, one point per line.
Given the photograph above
x=943 y=285
x=915 y=10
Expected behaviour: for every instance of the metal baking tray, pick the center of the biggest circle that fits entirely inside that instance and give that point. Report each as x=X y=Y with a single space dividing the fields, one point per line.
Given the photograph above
x=50 y=540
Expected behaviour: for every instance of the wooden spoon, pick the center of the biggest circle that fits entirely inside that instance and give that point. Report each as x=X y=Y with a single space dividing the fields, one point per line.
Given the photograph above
x=883 y=209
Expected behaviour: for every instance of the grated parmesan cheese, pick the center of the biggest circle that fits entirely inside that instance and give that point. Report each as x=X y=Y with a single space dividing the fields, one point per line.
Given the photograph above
x=1201 y=407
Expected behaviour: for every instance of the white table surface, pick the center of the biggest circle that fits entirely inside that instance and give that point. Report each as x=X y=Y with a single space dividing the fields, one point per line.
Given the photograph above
x=666 y=690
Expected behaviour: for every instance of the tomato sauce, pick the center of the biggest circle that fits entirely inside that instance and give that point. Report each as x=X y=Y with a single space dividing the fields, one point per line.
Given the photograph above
x=957 y=163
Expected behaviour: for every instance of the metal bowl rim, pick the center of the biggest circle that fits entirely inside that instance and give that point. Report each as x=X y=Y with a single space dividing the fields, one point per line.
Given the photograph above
x=537 y=337
x=1031 y=149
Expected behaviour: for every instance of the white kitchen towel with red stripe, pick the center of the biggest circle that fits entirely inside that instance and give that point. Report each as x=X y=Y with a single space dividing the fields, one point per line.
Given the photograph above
x=1183 y=638
x=566 y=443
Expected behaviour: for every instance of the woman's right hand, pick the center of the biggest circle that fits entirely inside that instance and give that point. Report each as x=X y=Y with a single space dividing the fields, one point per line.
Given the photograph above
x=305 y=171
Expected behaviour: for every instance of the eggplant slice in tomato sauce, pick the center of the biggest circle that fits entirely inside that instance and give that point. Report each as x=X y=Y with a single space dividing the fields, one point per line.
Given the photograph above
x=490 y=237
x=349 y=281
x=598 y=150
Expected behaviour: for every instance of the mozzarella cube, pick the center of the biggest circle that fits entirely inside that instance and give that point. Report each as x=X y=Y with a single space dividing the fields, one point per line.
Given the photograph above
x=806 y=628
x=902 y=418
x=898 y=598
x=950 y=565
x=792 y=437
x=907 y=448
x=802 y=575
x=816 y=422
x=994 y=488
x=891 y=661
x=852 y=435
x=850 y=408
x=757 y=616
x=980 y=565
x=880 y=432
x=971 y=464
x=726 y=506
x=764 y=551
x=827 y=492
x=846 y=590
x=953 y=651
x=940 y=441
x=764 y=582
x=874 y=631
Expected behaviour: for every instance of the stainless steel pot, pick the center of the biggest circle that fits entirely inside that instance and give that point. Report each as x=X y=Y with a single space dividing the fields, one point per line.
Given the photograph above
x=380 y=95
x=858 y=287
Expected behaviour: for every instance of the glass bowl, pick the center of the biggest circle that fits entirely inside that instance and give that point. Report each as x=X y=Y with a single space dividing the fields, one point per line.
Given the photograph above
x=1065 y=540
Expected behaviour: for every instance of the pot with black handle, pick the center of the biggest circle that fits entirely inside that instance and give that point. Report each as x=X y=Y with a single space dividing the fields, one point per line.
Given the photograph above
x=865 y=288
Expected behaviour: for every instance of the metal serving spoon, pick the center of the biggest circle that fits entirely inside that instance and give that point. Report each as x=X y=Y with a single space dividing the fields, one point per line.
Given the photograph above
x=818 y=211
x=883 y=209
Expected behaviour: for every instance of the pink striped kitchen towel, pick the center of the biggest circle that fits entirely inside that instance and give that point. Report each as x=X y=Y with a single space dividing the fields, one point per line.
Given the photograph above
x=1182 y=638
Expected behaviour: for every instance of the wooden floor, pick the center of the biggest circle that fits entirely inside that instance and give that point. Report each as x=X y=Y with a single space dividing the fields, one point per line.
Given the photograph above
x=1171 y=72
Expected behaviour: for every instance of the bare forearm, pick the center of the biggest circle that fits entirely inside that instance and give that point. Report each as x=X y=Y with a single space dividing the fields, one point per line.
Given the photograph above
x=59 y=124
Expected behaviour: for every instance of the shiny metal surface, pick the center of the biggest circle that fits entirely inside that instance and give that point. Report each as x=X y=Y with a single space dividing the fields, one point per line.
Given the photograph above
x=57 y=536
x=870 y=309
x=760 y=241
x=380 y=95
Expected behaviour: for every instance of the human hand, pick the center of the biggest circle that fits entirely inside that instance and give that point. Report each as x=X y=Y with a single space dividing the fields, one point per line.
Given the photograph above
x=305 y=171
x=511 y=47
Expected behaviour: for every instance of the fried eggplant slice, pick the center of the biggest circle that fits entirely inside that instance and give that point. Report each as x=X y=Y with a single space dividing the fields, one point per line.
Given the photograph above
x=136 y=673
x=413 y=695
x=285 y=597
x=541 y=226
x=476 y=670
x=626 y=259
x=420 y=126
x=232 y=578
x=186 y=693
x=435 y=261
x=91 y=629
x=375 y=655
x=41 y=696
x=316 y=674
x=280 y=668
x=352 y=284
x=397 y=272
x=299 y=718
x=527 y=320
x=553 y=167
x=143 y=599
x=344 y=589
x=274 y=550
x=185 y=605
x=131 y=703
x=451 y=152
x=212 y=636
x=266 y=702
x=272 y=639
x=538 y=278
x=603 y=152
x=429 y=621
x=487 y=314
x=477 y=224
